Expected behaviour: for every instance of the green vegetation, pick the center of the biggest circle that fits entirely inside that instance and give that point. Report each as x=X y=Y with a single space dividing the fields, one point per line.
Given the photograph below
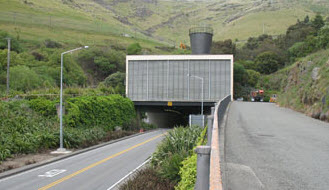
x=147 y=178
x=303 y=86
x=32 y=126
x=266 y=54
x=173 y=163
x=134 y=49
x=173 y=150
x=187 y=171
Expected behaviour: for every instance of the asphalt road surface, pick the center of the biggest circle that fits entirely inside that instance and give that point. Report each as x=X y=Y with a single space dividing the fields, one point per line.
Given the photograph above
x=268 y=147
x=96 y=169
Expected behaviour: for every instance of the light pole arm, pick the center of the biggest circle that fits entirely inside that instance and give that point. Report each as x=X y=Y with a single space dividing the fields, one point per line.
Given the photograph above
x=84 y=47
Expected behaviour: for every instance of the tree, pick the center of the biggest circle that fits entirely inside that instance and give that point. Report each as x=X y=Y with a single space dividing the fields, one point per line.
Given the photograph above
x=323 y=37
x=267 y=62
x=240 y=79
x=15 y=46
x=223 y=47
x=23 y=78
x=116 y=81
x=247 y=64
x=104 y=65
x=134 y=49
x=318 y=22
x=253 y=77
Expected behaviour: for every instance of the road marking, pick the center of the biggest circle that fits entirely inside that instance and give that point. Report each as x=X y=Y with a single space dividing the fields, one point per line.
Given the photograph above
x=53 y=163
x=96 y=164
x=129 y=174
x=52 y=173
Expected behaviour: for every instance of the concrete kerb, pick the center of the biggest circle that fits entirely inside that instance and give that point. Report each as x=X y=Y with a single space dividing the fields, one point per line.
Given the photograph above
x=36 y=165
x=222 y=142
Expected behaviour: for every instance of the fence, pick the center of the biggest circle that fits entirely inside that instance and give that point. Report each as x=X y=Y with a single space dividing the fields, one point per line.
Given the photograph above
x=208 y=164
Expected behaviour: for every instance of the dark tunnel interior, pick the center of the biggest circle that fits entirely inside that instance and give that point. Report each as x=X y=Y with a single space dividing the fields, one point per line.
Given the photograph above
x=169 y=117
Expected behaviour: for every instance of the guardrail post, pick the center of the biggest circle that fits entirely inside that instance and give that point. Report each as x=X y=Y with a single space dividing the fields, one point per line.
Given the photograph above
x=203 y=167
x=210 y=125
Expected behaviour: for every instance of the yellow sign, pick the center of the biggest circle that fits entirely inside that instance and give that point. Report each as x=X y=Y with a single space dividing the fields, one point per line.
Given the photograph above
x=169 y=103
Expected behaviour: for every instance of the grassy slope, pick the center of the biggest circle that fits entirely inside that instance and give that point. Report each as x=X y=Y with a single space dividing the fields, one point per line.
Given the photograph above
x=230 y=18
x=298 y=90
x=39 y=20
x=102 y=22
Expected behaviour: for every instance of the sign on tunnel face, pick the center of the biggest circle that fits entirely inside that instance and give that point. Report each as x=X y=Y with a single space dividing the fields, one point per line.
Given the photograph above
x=182 y=78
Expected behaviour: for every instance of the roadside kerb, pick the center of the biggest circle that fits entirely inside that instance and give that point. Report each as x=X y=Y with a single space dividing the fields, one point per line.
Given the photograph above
x=215 y=176
x=32 y=166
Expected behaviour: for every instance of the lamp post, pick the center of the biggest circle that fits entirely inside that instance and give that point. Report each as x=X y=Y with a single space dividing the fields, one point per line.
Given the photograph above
x=61 y=148
x=200 y=78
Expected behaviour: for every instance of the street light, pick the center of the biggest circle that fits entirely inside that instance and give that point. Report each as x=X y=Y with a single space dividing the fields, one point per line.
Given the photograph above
x=61 y=148
x=200 y=78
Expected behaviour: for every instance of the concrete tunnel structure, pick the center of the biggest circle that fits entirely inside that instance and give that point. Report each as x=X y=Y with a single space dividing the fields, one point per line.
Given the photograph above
x=169 y=87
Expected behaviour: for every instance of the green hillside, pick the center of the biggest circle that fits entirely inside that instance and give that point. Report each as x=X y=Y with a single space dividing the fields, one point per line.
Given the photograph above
x=106 y=21
x=41 y=30
x=67 y=22
x=304 y=86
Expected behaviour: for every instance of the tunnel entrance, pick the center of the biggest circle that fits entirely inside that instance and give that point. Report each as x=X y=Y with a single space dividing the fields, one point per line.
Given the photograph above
x=171 y=116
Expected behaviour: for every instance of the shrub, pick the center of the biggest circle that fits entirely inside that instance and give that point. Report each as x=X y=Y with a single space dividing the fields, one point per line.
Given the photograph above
x=25 y=129
x=23 y=78
x=15 y=46
x=52 y=44
x=187 y=171
x=134 y=49
x=43 y=106
x=174 y=149
x=107 y=111
x=148 y=126
x=147 y=178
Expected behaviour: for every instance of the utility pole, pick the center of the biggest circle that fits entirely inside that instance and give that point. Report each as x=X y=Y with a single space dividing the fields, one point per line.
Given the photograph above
x=8 y=64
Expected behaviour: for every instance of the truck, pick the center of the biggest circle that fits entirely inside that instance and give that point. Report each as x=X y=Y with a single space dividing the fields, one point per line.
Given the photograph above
x=257 y=96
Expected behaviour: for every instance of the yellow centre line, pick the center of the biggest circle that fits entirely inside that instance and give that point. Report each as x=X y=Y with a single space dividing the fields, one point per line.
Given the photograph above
x=96 y=164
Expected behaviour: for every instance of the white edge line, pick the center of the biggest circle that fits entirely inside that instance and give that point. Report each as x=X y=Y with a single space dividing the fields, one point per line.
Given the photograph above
x=114 y=185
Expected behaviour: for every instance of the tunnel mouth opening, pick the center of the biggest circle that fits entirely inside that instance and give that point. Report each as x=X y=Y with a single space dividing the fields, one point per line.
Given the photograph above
x=170 y=117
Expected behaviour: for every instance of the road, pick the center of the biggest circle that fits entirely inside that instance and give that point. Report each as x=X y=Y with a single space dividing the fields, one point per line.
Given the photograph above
x=96 y=169
x=268 y=147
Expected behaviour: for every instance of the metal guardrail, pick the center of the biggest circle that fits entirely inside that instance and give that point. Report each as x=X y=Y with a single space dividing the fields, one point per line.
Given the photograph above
x=208 y=163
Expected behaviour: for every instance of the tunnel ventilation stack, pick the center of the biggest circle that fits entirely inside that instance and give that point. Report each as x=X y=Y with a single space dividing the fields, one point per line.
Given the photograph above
x=201 y=39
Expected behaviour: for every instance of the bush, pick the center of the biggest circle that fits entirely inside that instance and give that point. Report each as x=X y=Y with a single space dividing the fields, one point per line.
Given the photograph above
x=107 y=111
x=25 y=129
x=43 y=106
x=174 y=149
x=134 y=49
x=52 y=44
x=23 y=78
x=15 y=46
x=147 y=178
x=266 y=99
x=148 y=126
x=187 y=171
x=267 y=62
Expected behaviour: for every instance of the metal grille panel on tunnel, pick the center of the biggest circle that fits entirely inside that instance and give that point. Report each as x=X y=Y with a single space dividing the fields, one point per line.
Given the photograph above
x=167 y=80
